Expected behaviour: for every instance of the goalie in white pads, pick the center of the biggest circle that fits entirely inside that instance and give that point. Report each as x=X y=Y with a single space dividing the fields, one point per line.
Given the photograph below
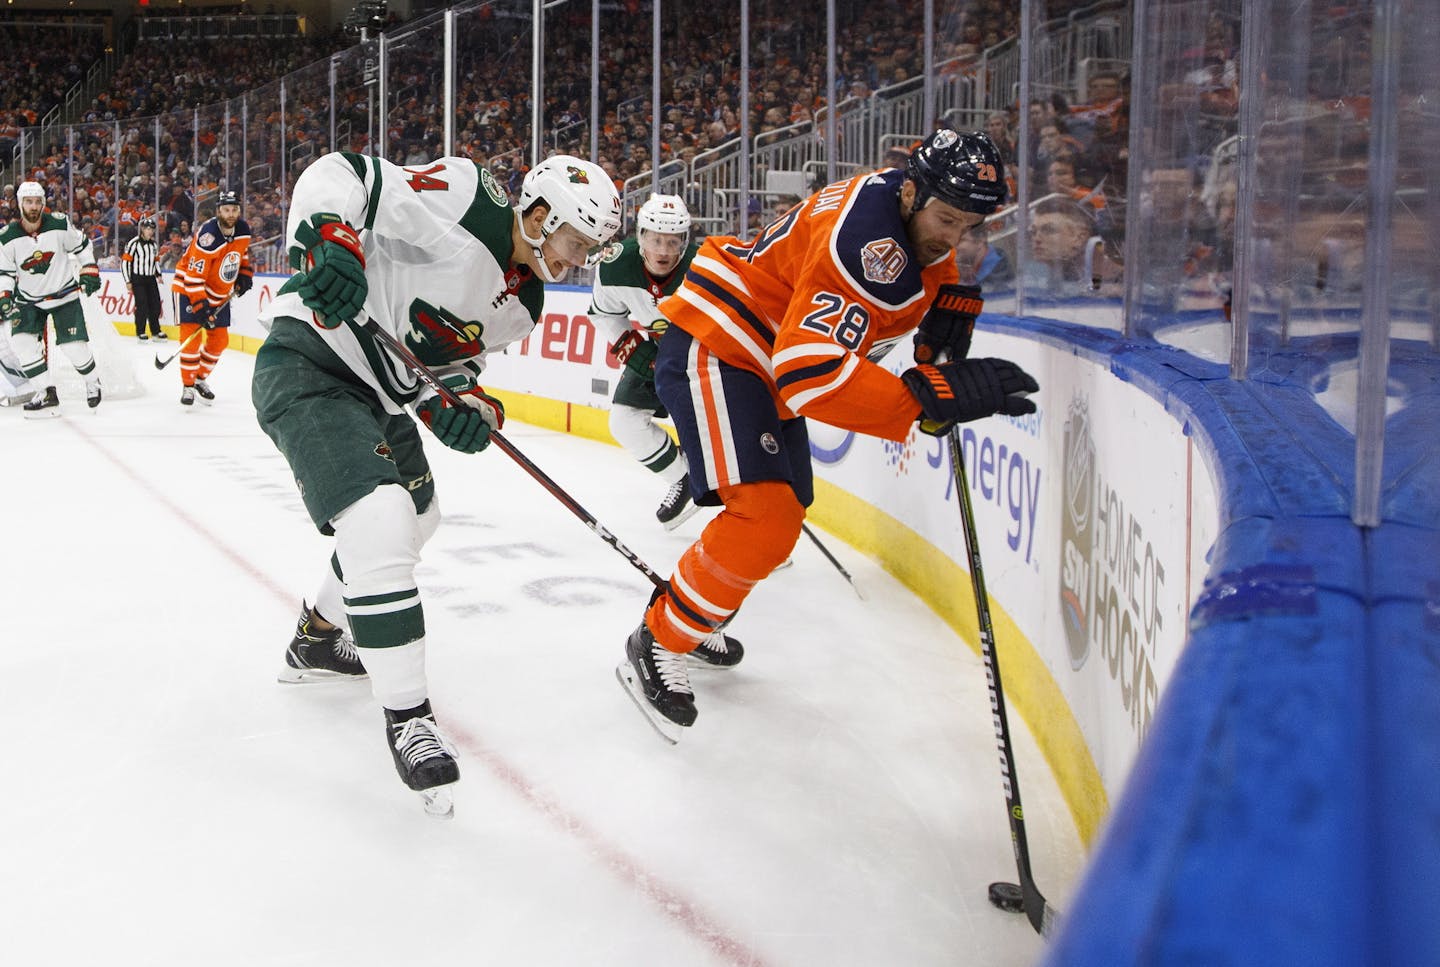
x=39 y=283
x=436 y=257
x=630 y=282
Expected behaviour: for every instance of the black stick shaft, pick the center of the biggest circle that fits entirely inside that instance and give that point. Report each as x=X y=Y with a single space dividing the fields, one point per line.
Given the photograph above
x=1039 y=912
x=831 y=558
x=424 y=374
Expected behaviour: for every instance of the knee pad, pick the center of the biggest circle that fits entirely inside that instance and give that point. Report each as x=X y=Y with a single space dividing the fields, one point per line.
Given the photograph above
x=377 y=542
x=761 y=523
x=430 y=520
x=79 y=354
x=27 y=349
x=635 y=430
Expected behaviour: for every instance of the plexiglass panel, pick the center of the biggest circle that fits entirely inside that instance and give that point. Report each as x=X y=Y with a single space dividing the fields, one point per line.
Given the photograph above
x=492 y=68
x=415 y=91
x=1070 y=241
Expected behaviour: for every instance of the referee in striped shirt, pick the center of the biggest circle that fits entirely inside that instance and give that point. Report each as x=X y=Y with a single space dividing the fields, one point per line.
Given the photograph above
x=140 y=267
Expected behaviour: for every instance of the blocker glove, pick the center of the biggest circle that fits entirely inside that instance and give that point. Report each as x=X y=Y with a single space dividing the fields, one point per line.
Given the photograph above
x=945 y=331
x=90 y=279
x=204 y=314
x=967 y=389
x=466 y=428
x=637 y=353
x=333 y=284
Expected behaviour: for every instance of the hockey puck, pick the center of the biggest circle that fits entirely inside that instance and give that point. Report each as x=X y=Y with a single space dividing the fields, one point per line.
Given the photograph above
x=1007 y=896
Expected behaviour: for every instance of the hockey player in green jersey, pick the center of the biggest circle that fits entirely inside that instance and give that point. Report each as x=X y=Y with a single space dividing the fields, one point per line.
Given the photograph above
x=39 y=283
x=436 y=257
x=632 y=278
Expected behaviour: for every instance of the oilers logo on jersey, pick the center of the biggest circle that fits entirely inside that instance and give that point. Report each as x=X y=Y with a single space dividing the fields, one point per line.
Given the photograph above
x=230 y=267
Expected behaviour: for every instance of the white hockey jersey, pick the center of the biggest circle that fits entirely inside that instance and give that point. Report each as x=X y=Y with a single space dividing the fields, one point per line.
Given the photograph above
x=437 y=241
x=40 y=269
x=625 y=290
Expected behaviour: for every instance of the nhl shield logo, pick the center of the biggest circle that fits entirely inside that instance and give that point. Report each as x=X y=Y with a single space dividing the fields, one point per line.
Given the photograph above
x=883 y=260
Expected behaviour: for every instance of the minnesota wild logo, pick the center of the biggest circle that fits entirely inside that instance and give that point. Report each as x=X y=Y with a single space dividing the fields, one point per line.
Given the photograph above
x=438 y=336
x=577 y=176
x=38 y=262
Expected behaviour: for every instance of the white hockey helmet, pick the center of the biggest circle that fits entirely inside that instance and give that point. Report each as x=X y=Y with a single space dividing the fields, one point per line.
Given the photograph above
x=30 y=189
x=665 y=214
x=578 y=193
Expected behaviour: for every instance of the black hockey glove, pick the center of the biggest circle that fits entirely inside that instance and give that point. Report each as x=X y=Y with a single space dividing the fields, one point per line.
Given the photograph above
x=243 y=283
x=945 y=331
x=204 y=314
x=968 y=389
x=637 y=353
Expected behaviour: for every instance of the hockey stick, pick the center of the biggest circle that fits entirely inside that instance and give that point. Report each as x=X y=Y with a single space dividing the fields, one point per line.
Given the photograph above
x=161 y=364
x=831 y=558
x=1025 y=897
x=424 y=374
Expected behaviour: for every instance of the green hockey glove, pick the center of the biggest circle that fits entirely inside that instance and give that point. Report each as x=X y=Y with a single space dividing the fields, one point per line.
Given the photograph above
x=8 y=309
x=333 y=285
x=90 y=279
x=466 y=428
x=637 y=353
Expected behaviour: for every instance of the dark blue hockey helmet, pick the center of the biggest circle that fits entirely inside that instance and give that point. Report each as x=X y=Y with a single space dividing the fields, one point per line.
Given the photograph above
x=227 y=197
x=963 y=170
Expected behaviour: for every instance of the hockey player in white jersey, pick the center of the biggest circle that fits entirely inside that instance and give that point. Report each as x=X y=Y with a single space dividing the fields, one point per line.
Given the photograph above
x=436 y=257
x=39 y=282
x=631 y=280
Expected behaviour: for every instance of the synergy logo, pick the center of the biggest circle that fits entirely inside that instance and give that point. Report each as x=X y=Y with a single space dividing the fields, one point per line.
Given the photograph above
x=1078 y=482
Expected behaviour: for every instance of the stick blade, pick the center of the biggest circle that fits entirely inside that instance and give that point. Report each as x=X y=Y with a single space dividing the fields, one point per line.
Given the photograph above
x=1008 y=897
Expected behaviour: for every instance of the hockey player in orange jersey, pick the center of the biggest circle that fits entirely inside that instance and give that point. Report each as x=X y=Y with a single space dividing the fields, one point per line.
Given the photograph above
x=768 y=332
x=215 y=268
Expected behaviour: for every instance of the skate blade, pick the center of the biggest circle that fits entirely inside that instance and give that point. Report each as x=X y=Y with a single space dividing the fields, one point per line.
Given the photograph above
x=50 y=414
x=439 y=802
x=666 y=729
x=681 y=517
x=314 y=676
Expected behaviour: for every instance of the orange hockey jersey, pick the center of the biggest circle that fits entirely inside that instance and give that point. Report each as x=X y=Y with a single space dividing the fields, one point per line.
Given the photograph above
x=812 y=299
x=212 y=263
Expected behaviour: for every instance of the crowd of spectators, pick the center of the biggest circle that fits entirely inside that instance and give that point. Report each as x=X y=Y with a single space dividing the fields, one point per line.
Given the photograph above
x=169 y=130
x=43 y=57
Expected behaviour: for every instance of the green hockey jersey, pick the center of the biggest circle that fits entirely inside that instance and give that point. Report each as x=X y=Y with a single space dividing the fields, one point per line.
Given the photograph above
x=624 y=290
x=40 y=269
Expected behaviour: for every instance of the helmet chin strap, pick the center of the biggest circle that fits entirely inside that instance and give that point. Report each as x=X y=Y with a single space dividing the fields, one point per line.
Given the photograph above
x=542 y=266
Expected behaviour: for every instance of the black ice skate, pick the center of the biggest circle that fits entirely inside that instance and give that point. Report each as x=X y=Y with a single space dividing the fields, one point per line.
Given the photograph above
x=206 y=393
x=676 y=506
x=187 y=396
x=320 y=656
x=656 y=681
x=423 y=757
x=143 y=337
x=43 y=405
x=718 y=651
x=161 y=335
x=92 y=393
